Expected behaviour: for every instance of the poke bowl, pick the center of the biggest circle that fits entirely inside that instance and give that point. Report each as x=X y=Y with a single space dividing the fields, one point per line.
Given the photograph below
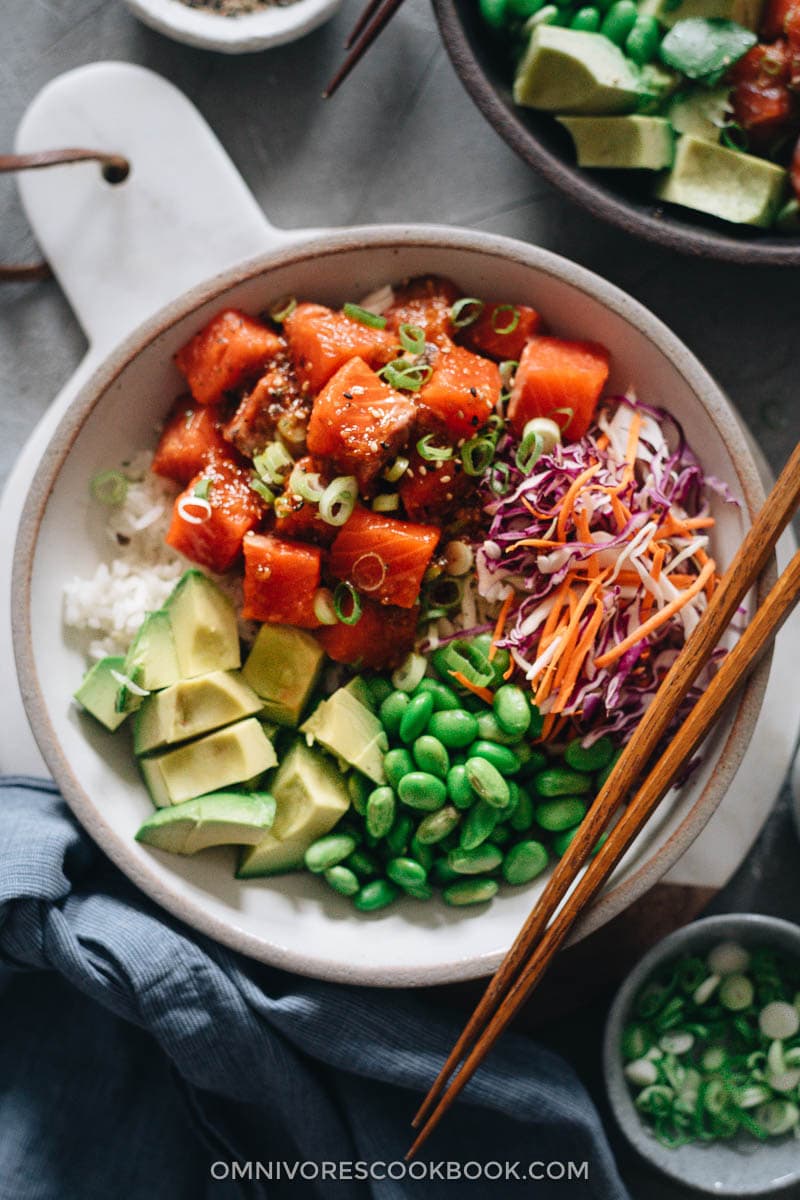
x=624 y=197
x=397 y=571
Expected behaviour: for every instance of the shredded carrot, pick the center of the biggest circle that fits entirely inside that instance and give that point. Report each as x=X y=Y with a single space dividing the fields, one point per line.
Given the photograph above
x=577 y=660
x=658 y=562
x=509 y=671
x=483 y=692
x=564 y=655
x=632 y=579
x=658 y=618
x=584 y=533
x=571 y=496
x=544 y=543
x=500 y=625
x=535 y=513
x=602 y=441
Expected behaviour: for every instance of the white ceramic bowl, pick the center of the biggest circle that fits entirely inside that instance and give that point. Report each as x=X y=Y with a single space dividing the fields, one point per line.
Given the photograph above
x=295 y=921
x=241 y=34
x=742 y=1167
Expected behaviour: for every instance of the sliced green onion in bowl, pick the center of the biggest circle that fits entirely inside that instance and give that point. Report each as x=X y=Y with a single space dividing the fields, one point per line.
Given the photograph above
x=466 y=311
x=386 y=502
x=458 y=558
x=337 y=502
x=324 y=608
x=528 y=452
x=109 y=488
x=273 y=463
x=363 y=315
x=262 y=489
x=202 y=488
x=511 y=320
x=412 y=338
x=548 y=431
x=282 y=308
x=307 y=484
x=477 y=455
x=507 y=371
x=432 y=453
x=500 y=479
x=409 y=673
x=396 y=470
x=406 y=376
x=347 y=604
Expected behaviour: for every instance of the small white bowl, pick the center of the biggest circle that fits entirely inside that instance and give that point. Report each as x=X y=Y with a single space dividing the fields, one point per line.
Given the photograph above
x=743 y=1166
x=234 y=35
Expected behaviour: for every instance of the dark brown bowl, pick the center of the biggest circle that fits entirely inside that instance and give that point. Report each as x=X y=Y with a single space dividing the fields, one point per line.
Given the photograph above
x=618 y=196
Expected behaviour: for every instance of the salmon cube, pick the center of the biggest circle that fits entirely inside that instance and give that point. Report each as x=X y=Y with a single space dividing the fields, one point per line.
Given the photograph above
x=191 y=438
x=430 y=491
x=358 y=423
x=559 y=379
x=462 y=391
x=502 y=330
x=425 y=302
x=232 y=349
x=274 y=406
x=321 y=341
x=381 y=637
x=383 y=558
x=280 y=579
x=298 y=518
x=212 y=516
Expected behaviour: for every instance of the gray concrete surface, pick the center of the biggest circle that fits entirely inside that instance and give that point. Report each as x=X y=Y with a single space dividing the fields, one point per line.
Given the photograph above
x=400 y=142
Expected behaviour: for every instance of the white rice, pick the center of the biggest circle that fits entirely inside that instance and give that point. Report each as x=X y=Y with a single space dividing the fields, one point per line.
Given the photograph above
x=140 y=571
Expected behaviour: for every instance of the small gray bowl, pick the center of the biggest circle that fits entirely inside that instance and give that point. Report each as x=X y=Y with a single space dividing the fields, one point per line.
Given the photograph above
x=742 y=1167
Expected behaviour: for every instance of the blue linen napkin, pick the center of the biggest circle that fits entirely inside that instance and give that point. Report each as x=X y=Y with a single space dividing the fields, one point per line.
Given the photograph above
x=140 y=1060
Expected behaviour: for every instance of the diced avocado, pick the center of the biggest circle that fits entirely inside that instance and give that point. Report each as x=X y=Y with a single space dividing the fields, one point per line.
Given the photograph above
x=571 y=71
x=232 y=755
x=98 y=692
x=311 y=797
x=788 y=219
x=283 y=668
x=191 y=707
x=725 y=183
x=700 y=112
x=656 y=84
x=668 y=12
x=152 y=653
x=625 y=142
x=203 y=626
x=346 y=727
x=220 y=819
x=129 y=691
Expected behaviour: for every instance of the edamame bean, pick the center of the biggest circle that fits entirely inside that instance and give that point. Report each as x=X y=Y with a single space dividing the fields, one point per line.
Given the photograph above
x=531 y=760
x=380 y=812
x=422 y=791
x=459 y=788
x=591 y=758
x=487 y=782
x=438 y=825
x=560 y=781
x=502 y=835
x=522 y=816
x=587 y=19
x=556 y=815
x=379 y=689
x=524 y=862
x=561 y=841
x=374 y=895
x=421 y=852
x=342 y=880
x=396 y=764
x=358 y=789
x=602 y=776
x=442 y=873
x=548 y=15
x=489 y=730
x=493 y=13
x=444 y=698
x=470 y=891
x=520 y=10
x=502 y=758
x=619 y=21
x=421 y=891
x=475 y=862
x=455 y=728
x=363 y=864
x=512 y=710
x=416 y=717
x=483 y=642
x=431 y=756
x=406 y=872
x=642 y=42
x=392 y=710
x=399 y=835
x=328 y=852
x=479 y=824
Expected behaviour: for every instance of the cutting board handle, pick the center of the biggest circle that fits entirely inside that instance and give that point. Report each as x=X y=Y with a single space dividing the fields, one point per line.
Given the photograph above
x=184 y=214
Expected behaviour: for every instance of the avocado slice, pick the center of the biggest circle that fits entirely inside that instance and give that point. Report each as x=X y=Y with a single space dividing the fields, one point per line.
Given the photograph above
x=359 y=688
x=571 y=71
x=219 y=819
x=625 y=142
x=231 y=755
x=152 y=653
x=98 y=692
x=203 y=626
x=283 y=667
x=191 y=707
x=744 y=12
x=311 y=797
x=700 y=112
x=347 y=728
x=725 y=183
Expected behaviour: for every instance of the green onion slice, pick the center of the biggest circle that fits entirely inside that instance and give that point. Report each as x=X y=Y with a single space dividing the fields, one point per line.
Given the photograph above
x=282 y=308
x=507 y=370
x=324 y=608
x=337 y=502
x=386 y=502
x=396 y=470
x=405 y=375
x=202 y=488
x=261 y=489
x=273 y=463
x=307 y=484
x=431 y=453
x=510 y=323
x=477 y=455
x=109 y=487
x=466 y=311
x=569 y=413
x=347 y=603
x=500 y=479
x=356 y=313
x=412 y=339
x=529 y=452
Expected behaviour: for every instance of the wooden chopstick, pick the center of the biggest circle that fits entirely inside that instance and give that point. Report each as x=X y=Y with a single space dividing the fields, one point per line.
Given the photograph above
x=747 y=564
x=371 y=25
x=366 y=14
x=736 y=665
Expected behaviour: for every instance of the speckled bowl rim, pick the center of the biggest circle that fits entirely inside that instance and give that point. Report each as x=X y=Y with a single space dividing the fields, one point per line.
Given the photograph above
x=697 y=933
x=674 y=232
x=242 y=34
x=399 y=238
